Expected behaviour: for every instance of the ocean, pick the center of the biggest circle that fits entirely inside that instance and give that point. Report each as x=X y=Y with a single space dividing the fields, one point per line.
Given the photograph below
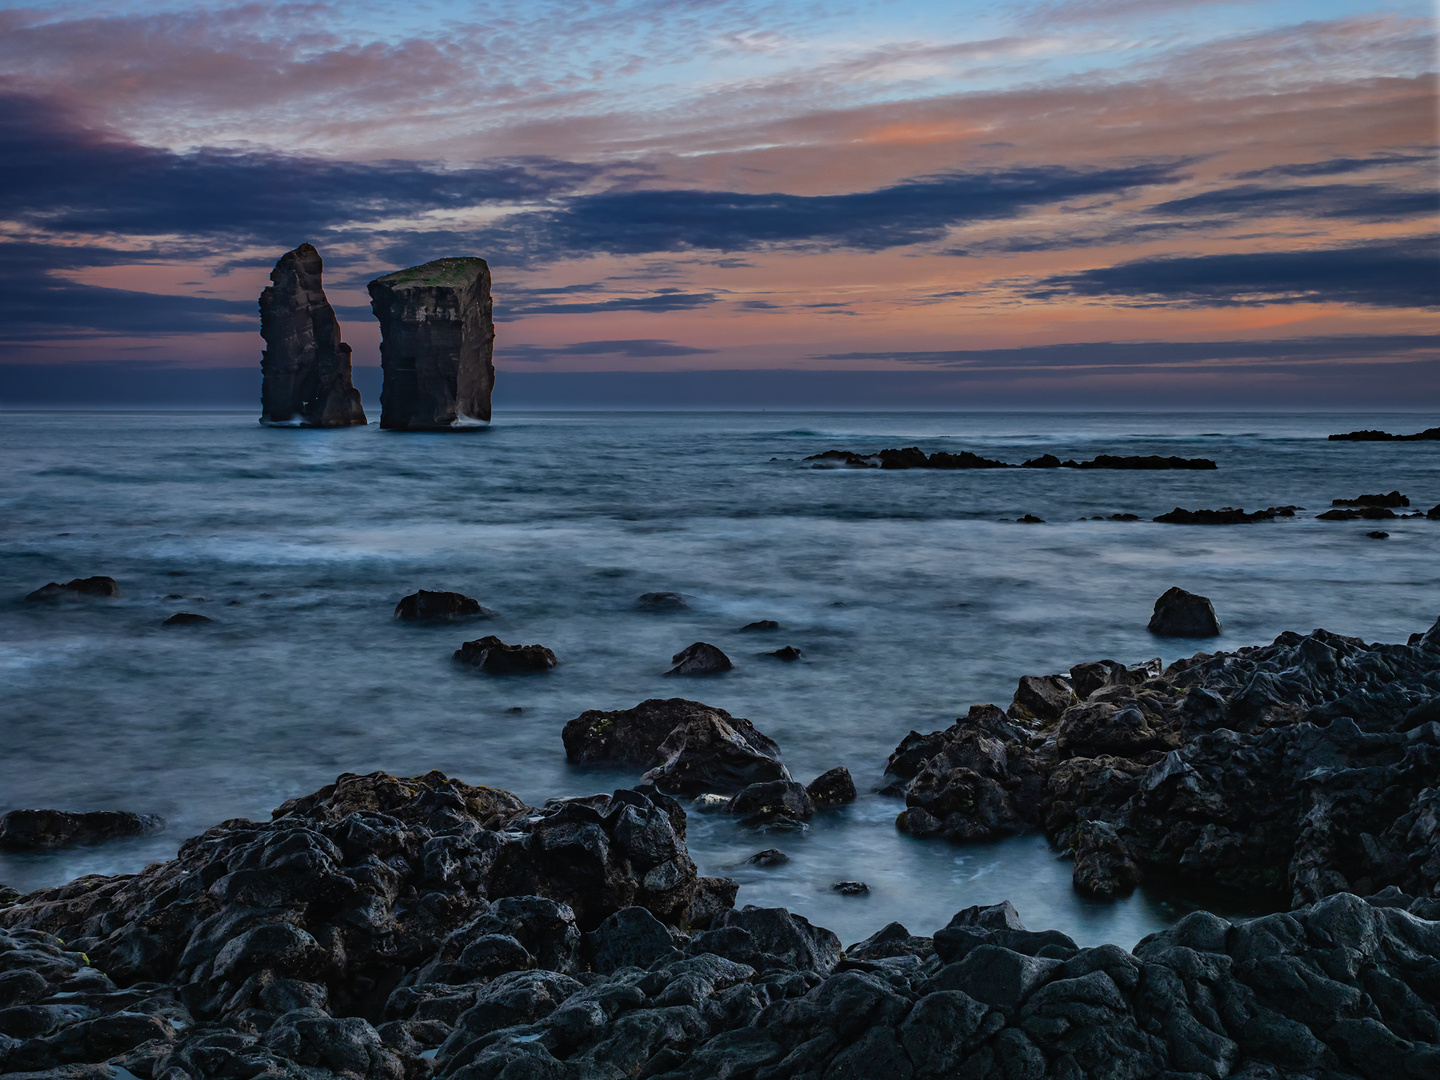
x=912 y=595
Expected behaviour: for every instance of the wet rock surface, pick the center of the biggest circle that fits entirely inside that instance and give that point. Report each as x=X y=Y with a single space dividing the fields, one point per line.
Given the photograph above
x=661 y=601
x=40 y=830
x=1297 y=770
x=305 y=368
x=832 y=788
x=1393 y=499
x=701 y=658
x=1357 y=513
x=426 y=966
x=76 y=587
x=425 y=606
x=686 y=745
x=187 y=618
x=437 y=339
x=1184 y=614
x=494 y=657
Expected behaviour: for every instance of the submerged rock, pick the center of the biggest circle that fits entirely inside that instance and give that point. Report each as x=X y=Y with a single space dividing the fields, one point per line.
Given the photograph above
x=1184 y=614
x=437 y=337
x=426 y=606
x=912 y=457
x=788 y=653
x=1357 y=513
x=494 y=657
x=187 y=618
x=1301 y=768
x=90 y=586
x=1394 y=500
x=1226 y=515
x=396 y=929
x=661 y=601
x=305 y=367
x=40 y=830
x=760 y=626
x=701 y=658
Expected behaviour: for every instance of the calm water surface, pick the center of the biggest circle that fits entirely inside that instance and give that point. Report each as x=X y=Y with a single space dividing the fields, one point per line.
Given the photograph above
x=908 y=592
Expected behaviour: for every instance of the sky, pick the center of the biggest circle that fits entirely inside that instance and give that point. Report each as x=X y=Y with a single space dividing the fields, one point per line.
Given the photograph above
x=988 y=203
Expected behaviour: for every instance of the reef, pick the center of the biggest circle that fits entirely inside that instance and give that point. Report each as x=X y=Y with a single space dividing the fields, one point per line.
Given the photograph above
x=912 y=457
x=437 y=339
x=1428 y=435
x=305 y=367
x=402 y=929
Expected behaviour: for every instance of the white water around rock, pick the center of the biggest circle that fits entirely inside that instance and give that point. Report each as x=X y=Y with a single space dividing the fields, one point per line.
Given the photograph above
x=909 y=595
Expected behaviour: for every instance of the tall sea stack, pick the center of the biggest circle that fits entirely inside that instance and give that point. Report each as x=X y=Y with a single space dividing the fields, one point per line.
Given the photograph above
x=436 y=341
x=306 y=367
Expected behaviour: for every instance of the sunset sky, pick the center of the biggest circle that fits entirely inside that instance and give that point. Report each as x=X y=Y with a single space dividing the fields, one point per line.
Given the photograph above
x=994 y=203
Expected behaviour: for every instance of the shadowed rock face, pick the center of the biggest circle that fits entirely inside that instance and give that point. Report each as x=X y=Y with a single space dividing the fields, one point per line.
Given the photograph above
x=306 y=366
x=437 y=338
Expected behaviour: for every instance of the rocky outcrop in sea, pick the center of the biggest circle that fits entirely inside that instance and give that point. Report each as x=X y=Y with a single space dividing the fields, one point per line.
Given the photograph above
x=1298 y=769
x=437 y=337
x=912 y=457
x=1428 y=435
x=305 y=366
x=401 y=929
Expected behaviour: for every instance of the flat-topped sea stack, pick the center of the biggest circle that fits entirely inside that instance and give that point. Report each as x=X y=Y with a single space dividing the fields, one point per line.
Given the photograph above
x=305 y=366
x=436 y=341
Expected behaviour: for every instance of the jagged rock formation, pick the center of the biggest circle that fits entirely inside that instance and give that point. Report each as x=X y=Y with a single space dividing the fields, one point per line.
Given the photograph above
x=305 y=366
x=1298 y=769
x=388 y=929
x=437 y=337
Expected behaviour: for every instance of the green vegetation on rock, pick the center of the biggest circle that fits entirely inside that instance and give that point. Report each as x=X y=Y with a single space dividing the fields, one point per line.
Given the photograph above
x=442 y=272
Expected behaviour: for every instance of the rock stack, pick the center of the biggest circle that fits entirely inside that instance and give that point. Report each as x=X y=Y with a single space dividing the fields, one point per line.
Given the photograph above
x=437 y=338
x=305 y=366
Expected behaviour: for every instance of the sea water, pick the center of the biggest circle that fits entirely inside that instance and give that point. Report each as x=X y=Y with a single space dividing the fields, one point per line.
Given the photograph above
x=912 y=594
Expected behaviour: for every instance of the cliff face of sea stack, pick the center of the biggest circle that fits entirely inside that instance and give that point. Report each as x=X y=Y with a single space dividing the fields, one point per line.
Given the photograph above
x=437 y=339
x=306 y=367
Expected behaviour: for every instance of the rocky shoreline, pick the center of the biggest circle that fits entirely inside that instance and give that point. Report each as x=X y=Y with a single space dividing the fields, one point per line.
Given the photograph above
x=395 y=929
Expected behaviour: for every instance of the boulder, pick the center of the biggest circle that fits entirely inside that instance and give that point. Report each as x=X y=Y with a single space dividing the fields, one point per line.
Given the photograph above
x=635 y=736
x=661 y=601
x=1041 y=698
x=186 y=618
x=832 y=788
x=850 y=888
x=40 y=830
x=426 y=606
x=494 y=657
x=1183 y=614
x=774 y=804
x=700 y=658
x=768 y=857
x=1357 y=513
x=90 y=586
x=707 y=753
x=789 y=653
x=760 y=626
x=437 y=337
x=305 y=368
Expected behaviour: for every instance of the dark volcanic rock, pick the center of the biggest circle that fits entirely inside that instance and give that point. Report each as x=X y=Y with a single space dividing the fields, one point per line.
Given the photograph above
x=761 y=626
x=1433 y=514
x=1041 y=699
x=1393 y=500
x=426 y=606
x=772 y=804
x=1111 y=461
x=1377 y=534
x=1226 y=515
x=768 y=857
x=437 y=337
x=305 y=366
x=186 y=618
x=832 y=788
x=789 y=652
x=850 y=888
x=661 y=601
x=1429 y=434
x=912 y=457
x=39 y=830
x=494 y=657
x=1300 y=769
x=685 y=745
x=90 y=586
x=1360 y=513
x=1184 y=614
x=373 y=930
x=700 y=658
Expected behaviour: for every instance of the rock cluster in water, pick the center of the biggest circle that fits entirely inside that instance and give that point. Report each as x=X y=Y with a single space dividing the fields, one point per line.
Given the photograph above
x=1429 y=434
x=399 y=929
x=1226 y=515
x=437 y=337
x=1302 y=768
x=912 y=457
x=91 y=586
x=39 y=830
x=305 y=366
